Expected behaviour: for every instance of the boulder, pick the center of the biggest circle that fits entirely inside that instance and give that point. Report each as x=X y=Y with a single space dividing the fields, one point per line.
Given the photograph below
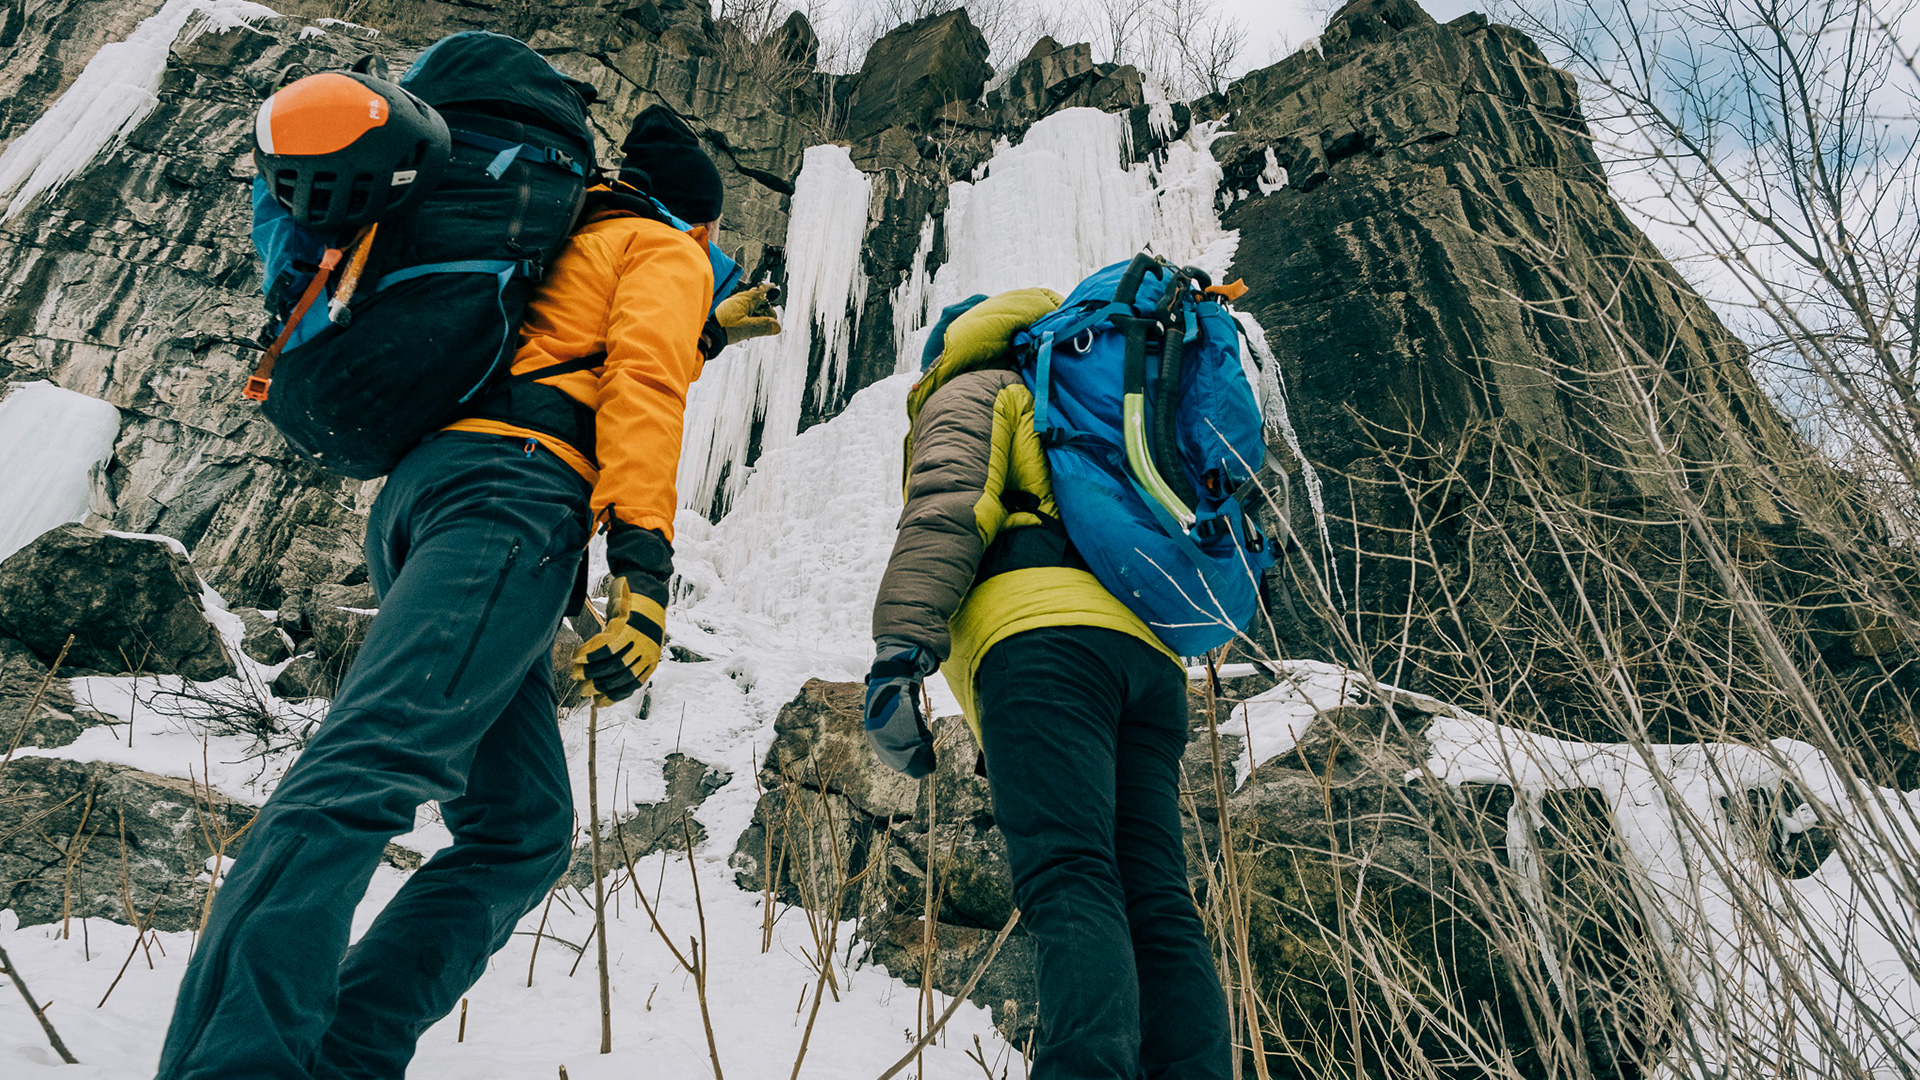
x=131 y=604
x=263 y=640
x=101 y=841
x=916 y=71
x=108 y=842
x=336 y=619
x=306 y=677
x=654 y=826
x=820 y=742
x=55 y=720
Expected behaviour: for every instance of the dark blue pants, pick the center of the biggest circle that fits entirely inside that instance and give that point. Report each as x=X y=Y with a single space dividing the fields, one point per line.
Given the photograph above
x=473 y=547
x=1083 y=730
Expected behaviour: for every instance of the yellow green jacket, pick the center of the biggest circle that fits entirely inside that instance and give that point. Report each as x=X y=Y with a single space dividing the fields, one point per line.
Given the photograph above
x=976 y=475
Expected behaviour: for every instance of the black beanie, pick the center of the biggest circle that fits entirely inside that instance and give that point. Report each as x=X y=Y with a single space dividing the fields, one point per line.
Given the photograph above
x=662 y=157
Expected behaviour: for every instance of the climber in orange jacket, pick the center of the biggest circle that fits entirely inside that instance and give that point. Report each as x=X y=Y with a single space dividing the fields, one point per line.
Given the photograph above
x=477 y=547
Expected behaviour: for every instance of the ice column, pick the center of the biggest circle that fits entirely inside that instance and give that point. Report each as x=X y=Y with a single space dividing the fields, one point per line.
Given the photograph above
x=766 y=379
x=50 y=442
x=113 y=94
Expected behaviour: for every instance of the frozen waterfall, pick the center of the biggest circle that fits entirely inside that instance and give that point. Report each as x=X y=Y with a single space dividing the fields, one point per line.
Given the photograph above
x=765 y=380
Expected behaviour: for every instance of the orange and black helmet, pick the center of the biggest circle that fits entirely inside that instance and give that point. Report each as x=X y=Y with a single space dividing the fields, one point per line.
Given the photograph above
x=342 y=148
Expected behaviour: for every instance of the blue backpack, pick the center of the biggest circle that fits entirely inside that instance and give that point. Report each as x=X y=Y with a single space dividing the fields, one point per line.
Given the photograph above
x=1150 y=428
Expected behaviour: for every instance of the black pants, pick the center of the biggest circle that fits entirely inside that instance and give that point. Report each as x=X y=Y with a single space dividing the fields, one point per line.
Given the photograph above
x=473 y=546
x=1084 y=728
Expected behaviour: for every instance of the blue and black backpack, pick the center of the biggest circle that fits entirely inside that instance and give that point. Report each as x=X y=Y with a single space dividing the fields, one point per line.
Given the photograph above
x=1150 y=427
x=433 y=323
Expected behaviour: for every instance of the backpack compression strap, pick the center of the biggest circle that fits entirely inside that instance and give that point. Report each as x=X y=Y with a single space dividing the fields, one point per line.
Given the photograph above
x=507 y=152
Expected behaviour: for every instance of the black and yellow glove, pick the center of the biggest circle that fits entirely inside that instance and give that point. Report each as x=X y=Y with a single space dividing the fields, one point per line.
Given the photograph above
x=615 y=663
x=748 y=314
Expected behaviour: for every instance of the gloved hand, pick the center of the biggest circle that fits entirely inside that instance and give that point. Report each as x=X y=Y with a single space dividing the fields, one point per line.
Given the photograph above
x=896 y=729
x=613 y=664
x=748 y=314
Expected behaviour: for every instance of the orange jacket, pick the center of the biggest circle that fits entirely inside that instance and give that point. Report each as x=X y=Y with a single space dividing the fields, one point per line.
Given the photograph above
x=638 y=290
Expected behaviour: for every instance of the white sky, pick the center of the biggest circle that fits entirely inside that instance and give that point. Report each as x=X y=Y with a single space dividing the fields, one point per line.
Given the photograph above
x=1277 y=27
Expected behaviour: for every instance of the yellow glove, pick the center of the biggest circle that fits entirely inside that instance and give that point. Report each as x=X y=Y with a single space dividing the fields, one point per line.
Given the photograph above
x=615 y=663
x=748 y=314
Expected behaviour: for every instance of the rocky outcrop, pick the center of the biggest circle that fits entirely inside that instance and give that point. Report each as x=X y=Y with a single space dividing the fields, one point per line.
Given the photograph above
x=918 y=73
x=1054 y=77
x=1342 y=845
x=99 y=841
x=130 y=604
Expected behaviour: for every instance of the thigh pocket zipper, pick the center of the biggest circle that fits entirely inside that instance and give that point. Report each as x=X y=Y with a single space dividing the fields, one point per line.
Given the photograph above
x=486 y=615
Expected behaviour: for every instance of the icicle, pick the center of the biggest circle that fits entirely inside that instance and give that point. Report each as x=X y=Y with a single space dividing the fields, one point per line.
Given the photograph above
x=1273 y=410
x=910 y=315
x=118 y=88
x=1160 y=120
x=765 y=380
x=51 y=440
x=1065 y=202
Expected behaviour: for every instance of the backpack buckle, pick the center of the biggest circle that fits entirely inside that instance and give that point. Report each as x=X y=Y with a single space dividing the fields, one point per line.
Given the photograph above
x=1211 y=528
x=256 y=388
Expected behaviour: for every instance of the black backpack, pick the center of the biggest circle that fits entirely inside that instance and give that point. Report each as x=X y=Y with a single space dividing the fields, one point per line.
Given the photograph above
x=433 y=316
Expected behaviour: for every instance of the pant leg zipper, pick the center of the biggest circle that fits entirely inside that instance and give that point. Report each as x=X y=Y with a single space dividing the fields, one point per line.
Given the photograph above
x=486 y=614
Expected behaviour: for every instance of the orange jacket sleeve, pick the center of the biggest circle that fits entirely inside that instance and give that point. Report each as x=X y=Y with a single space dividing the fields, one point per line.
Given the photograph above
x=661 y=293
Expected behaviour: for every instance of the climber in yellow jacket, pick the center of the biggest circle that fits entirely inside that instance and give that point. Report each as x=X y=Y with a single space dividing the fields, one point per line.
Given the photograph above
x=1079 y=708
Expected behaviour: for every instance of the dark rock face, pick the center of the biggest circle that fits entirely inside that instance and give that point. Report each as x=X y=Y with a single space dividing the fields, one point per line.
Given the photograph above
x=132 y=605
x=55 y=718
x=68 y=858
x=917 y=73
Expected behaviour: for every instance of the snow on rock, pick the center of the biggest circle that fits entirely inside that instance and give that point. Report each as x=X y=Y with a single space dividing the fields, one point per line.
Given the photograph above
x=765 y=380
x=1271 y=723
x=117 y=90
x=1708 y=896
x=51 y=440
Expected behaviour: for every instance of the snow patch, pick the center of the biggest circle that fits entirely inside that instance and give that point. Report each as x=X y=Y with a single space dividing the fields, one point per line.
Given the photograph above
x=1705 y=882
x=51 y=441
x=1273 y=177
x=117 y=90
